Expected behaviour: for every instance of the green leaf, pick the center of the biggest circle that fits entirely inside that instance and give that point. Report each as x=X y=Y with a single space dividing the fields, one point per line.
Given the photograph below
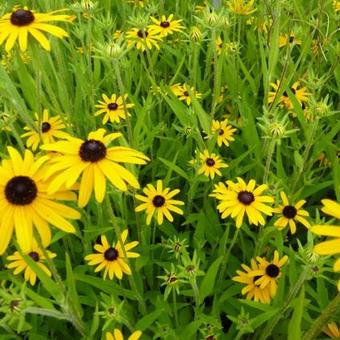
x=295 y=321
x=148 y=320
x=259 y=320
x=175 y=168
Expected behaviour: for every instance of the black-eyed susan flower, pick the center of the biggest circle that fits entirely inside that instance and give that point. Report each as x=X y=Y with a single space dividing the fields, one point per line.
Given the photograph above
x=224 y=132
x=336 y=5
x=25 y=202
x=118 y=335
x=166 y=25
x=113 y=259
x=251 y=290
x=299 y=92
x=183 y=92
x=94 y=161
x=269 y=272
x=211 y=164
x=22 y=21
x=238 y=199
x=290 y=214
x=288 y=39
x=159 y=201
x=46 y=130
x=113 y=107
x=19 y=264
x=241 y=7
x=219 y=45
x=143 y=39
x=332 y=330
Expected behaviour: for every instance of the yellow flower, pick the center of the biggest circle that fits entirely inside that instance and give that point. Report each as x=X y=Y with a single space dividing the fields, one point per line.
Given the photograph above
x=143 y=39
x=211 y=163
x=269 y=272
x=95 y=161
x=16 y=26
x=290 y=214
x=224 y=132
x=19 y=264
x=25 y=202
x=113 y=259
x=113 y=108
x=166 y=26
x=219 y=45
x=183 y=92
x=252 y=290
x=117 y=335
x=300 y=93
x=238 y=199
x=288 y=39
x=241 y=7
x=139 y=3
x=336 y=5
x=45 y=131
x=332 y=330
x=159 y=201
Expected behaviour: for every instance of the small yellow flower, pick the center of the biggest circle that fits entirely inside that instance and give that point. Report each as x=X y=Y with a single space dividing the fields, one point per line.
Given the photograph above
x=332 y=330
x=241 y=7
x=118 y=335
x=19 y=263
x=143 y=39
x=113 y=259
x=288 y=39
x=211 y=163
x=290 y=214
x=113 y=108
x=159 y=201
x=224 y=132
x=336 y=5
x=183 y=92
x=166 y=26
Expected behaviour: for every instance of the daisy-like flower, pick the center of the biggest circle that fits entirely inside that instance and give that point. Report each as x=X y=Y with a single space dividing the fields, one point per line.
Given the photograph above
x=241 y=7
x=113 y=259
x=288 y=39
x=143 y=39
x=113 y=108
x=252 y=290
x=19 y=263
x=336 y=5
x=95 y=161
x=332 y=330
x=118 y=335
x=269 y=272
x=25 y=202
x=211 y=164
x=166 y=26
x=46 y=131
x=159 y=201
x=300 y=93
x=290 y=214
x=219 y=45
x=22 y=21
x=183 y=92
x=238 y=199
x=224 y=132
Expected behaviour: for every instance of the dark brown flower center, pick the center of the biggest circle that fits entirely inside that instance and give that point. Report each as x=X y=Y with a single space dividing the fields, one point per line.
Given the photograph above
x=186 y=93
x=21 y=190
x=111 y=254
x=158 y=201
x=45 y=127
x=293 y=90
x=34 y=256
x=210 y=162
x=220 y=132
x=285 y=94
x=142 y=34
x=22 y=17
x=273 y=270
x=112 y=106
x=289 y=211
x=92 y=151
x=291 y=39
x=165 y=24
x=246 y=197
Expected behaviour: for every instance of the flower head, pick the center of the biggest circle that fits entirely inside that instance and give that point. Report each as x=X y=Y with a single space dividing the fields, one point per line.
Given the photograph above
x=332 y=330
x=166 y=25
x=118 y=335
x=143 y=39
x=241 y=7
x=159 y=201
x=113 y=259
x=288 y=39
x=113 y=108
x=95 y=161
x=22 y=21
x=183 y=92
x=238 y=199
x=290 y=214
x=224 y=132
x=211 y=164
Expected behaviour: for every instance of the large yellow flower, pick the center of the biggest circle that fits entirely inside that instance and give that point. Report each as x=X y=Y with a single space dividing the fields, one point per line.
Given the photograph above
x=16 y=26
x=19 y=263
x=118 y=335
x=166 y=26
x=159 y=201
x=25 y=202
x=113 y=258
x=95 y=161
x=46 y=131
x=238 y=199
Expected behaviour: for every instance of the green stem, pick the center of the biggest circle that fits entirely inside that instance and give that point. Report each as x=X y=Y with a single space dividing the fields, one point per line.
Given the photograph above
x=271 y=149
x=196 y=295
x=331 y=310
x=175 y=307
